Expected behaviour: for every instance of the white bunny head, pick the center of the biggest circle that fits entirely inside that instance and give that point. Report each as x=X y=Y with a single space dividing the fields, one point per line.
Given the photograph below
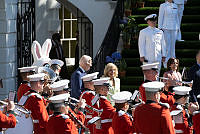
x=41 y=54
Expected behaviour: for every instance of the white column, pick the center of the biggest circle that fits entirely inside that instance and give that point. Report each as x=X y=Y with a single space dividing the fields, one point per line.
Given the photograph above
x=8 y=45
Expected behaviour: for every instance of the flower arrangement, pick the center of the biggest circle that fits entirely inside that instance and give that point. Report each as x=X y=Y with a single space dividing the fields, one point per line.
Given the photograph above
x=117 y=59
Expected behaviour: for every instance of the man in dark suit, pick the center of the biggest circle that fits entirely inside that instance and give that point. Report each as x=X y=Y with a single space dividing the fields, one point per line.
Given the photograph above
x=76 y=82
x=194 y=74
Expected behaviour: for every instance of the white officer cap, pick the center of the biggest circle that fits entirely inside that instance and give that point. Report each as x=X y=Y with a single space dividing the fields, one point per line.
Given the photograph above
x=122 y=97
x=27 y=69
x=59 y=85
x=153 y=86
x=59 y=98
x=90 y=77
x=102 y=81
x=150 y=66
x=198 y=96
x=151 y=16
x=57 y=62
x=36 y=77
x=182 y=90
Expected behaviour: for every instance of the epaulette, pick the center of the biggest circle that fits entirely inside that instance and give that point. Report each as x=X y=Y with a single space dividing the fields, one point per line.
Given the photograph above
x=196 y=112
x=121 y=112
x=164 y=104
x=103 y=97
x=64 y=116
x=92 y=92
x=175 y=112
x=35 y=94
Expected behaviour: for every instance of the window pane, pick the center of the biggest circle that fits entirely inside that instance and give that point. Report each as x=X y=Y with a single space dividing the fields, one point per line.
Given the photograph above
x=67 y=29
x=66 y=48
x=74 y=28
x=73 y=48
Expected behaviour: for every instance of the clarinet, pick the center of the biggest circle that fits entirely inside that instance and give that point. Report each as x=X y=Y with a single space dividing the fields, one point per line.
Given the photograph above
x=79 y=122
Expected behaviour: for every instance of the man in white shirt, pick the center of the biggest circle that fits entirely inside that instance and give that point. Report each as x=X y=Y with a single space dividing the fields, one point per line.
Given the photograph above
x=180 y=5
x=151 y=43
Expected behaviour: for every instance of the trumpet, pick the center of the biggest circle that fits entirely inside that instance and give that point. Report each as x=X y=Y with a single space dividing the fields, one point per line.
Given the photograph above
x=88 y=106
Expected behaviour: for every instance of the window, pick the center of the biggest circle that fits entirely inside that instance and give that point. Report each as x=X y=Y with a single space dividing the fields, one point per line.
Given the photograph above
x=68 y=32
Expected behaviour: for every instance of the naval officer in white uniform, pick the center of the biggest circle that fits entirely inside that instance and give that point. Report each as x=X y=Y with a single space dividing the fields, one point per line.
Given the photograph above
x=151 y=44
x=168 y=22
x=180 y=5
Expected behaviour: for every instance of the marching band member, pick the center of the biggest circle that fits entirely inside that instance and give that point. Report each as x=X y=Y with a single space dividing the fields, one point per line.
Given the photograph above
x=153 y=117
x=58 y=88
x=88 y=95
x=151 y=74
x=35 y=103
x=103 y=126
x=196 y=118
x=25 y=85
x=60 y=122
x=152 y=47
x=122 y=123
x=56 y=66
x=179 y=112
x=10 y=120
x=168 y=22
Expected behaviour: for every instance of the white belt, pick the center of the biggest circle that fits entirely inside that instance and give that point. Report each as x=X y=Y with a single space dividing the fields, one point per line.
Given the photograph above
x=106 y=120
x=88 y=116
x=178 y=131
x=35 y=121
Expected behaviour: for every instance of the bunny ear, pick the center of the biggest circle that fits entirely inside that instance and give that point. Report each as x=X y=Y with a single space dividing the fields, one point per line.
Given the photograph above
x=46 y=47
x=36 y=50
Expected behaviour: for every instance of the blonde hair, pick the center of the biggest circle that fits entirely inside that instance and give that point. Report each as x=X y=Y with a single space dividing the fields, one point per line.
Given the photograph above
x=108 y=67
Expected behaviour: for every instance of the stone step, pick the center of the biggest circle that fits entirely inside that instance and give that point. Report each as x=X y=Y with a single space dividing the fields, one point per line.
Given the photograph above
x=156 y=3
x=130 y=88
x=135 y=62
x=180 y=53
x=150 y=10
x=185 y=19
x=185 y=27
x=179 y=45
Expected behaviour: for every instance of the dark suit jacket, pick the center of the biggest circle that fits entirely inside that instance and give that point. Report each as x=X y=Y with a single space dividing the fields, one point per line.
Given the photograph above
x=77 y=83
x=194 y=74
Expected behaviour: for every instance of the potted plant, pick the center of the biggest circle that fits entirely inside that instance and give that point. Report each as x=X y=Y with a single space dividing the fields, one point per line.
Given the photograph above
x=129 y=31
x=122 y=68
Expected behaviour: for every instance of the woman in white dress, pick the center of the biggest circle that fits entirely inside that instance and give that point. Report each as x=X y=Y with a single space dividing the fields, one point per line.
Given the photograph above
x=111 y=71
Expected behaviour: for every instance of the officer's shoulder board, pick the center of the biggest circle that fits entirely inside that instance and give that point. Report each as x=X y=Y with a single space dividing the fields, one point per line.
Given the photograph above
x=64 y=116
x=164 y=104
x=120 y=112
